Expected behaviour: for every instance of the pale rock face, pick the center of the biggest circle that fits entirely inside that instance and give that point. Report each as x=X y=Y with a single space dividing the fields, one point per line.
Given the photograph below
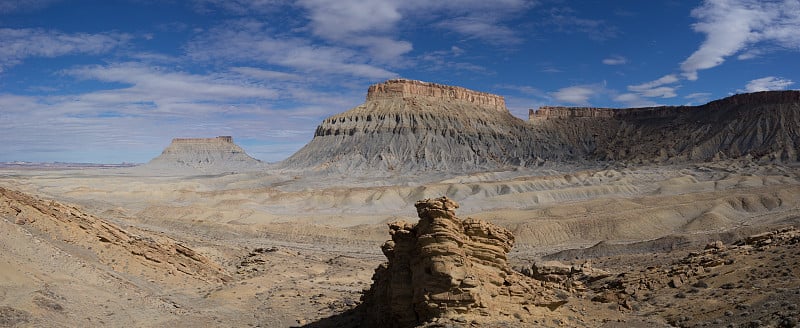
x=444 y=266
x=402 y=88
x=121 y=249
x=416 y=126
x=219 y=153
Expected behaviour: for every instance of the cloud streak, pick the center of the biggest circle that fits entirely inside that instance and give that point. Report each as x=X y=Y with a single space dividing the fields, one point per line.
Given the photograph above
x=769 y=83
x=19 y=44
x=615 y=60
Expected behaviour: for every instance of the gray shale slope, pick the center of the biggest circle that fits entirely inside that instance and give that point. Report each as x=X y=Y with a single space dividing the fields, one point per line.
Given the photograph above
x=411 y=125
x=209 y=155
x=407 y=126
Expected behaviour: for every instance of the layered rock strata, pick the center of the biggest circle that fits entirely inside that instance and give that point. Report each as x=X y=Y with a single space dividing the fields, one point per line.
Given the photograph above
x=219 y=153
x=445 y=266
x=124 y=250
x=763 y=126
x=409 y=125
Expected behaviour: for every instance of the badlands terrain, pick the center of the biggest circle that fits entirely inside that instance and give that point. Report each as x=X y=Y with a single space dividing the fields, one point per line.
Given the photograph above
x=578 y=217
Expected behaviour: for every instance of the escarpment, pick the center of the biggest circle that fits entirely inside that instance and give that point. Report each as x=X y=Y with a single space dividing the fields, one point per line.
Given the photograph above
x=206 y=154
x=409 y=126
x=444 y=266
x=762 y=126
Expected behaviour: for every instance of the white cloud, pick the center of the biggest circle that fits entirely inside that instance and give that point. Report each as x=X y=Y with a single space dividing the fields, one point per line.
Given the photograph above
x=360 y=23
x=634 y=100
x=768 y=83
x=732 y=26
x=163 y=86
x=19 y=44
x=698 y=95
x=340 y=19
x=565 y=20
x=263 y=74
x=251 y=42
x=666 y=79
x=154 y=104
x=479 y=28
x=10 y=6
x=577 y=95
x=615 y=60
x=239 y=7
x=657 y=88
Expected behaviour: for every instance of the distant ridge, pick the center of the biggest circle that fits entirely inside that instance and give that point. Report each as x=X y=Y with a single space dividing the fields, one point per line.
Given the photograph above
x=205 y=154
x=407 y=125
x=763 y=126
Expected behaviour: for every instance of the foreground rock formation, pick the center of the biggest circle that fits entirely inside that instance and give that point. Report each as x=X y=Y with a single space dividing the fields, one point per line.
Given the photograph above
x=207 y=154
x=407 y=125
x=444 y=266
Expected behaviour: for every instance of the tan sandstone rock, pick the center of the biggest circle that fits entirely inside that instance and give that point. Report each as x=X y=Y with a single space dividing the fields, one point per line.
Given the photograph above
x=444 y=266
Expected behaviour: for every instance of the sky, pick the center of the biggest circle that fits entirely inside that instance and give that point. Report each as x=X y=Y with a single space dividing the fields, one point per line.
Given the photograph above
x=112 y=81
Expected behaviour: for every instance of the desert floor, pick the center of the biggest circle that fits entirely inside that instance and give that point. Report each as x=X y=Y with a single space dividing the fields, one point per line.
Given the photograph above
x=294 y=249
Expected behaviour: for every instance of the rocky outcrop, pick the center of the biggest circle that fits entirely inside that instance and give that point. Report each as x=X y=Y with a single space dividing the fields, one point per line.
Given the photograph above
x=402 y=88
x=445 y=266
x=129 y=251
x=207 y=154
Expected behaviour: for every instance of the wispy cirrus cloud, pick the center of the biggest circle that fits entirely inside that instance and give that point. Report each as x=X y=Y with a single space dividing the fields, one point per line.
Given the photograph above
x=769 y=83
x=578 y=94
x=615 y=60
x=238 y=7
x=10 y=6
x=149 y=105
x=19 y=44
x=566 y=20
x=160 y=85
x=657 y=88
x=737 y=26
x=252 y=41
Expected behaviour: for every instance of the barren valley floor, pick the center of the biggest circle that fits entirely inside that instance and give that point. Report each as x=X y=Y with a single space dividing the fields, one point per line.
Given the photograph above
x=278 y=248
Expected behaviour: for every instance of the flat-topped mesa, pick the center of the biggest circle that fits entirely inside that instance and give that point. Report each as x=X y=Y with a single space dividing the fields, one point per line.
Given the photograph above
x=225 y=139
x=208 y=154
x=403 y=88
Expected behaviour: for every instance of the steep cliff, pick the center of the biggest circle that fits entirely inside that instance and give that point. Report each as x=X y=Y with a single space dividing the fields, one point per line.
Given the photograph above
x=206 y=154
x=407 y=126
x=412 y=125
x=762 y=125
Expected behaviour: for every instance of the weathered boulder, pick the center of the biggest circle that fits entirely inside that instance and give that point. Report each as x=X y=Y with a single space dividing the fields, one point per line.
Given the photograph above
x=444 y=266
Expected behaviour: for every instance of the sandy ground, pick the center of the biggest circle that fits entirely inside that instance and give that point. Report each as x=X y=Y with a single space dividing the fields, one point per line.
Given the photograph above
x=300 y=248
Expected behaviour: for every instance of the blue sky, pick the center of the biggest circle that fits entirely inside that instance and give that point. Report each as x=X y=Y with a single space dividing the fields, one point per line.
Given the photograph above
x=110 y=81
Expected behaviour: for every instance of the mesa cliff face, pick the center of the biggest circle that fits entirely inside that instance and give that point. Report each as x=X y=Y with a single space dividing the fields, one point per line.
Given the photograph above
x=763 y=126
x=409 y=125
x=218 y=153
x=444 y=266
